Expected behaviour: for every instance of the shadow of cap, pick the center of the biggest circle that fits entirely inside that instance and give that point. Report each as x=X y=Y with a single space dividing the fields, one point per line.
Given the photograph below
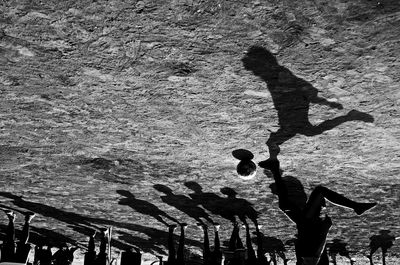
x=162 y=188
x=257 y=59
x=228 y=191
x=125 y=193
x=193 y=185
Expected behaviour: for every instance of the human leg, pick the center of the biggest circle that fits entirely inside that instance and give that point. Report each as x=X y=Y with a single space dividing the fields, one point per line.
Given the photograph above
x=316 y=201
x=251 y=255
x=102 y=256
x=276 y=139
x=8 y=251
x=180 y=255
x=217 y=253
x=25 y=231
x=23 y=247
x=171 y=245
x=327 y=125
x=90 y=255
x=235 y=242
x=206 y=245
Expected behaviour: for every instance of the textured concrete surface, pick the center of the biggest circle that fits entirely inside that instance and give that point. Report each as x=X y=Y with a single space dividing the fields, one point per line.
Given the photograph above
x=100 y=96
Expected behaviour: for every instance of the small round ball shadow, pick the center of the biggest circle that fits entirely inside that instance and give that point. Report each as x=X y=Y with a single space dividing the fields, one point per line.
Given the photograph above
x=246 y=168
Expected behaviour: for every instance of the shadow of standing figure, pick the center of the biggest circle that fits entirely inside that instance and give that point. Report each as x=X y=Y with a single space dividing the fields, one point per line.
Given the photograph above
x=312 y=230
x=239 y=206
x=210 y=201
x=273 y=246
x=183 y=203
x=144 y=207
x=292 y=97
x=338 y=247
x=384 y=241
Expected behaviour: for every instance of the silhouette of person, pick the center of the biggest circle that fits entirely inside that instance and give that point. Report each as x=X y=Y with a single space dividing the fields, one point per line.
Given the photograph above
x=11 y=251
x=292 y=97
x=312 y=230
x=384 y=241
x=144 y=207
x=210 y=201
x=183 y=203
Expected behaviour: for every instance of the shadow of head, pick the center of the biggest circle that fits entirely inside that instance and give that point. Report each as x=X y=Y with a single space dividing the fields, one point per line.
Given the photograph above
x=259 y=60
x=162 y=188
x=228 y=192
x=125 y=193
x=194 y=186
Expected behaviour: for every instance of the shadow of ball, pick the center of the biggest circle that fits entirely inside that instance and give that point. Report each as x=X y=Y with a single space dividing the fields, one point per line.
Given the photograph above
x=246 y=168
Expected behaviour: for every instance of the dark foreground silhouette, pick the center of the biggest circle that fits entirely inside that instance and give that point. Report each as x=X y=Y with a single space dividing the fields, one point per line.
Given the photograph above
x=312 y=230
x=292 y=97
x=384 y=241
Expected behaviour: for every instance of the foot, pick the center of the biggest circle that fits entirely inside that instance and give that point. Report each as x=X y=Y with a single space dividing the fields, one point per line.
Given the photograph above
x=10 y=214
x=363 y=207
x=360 y=116
x=92 y=233
x=216 y=227
x=172 y=227
x=104 y=231
x=202 y=226
x=271 y=164
x=29 y=216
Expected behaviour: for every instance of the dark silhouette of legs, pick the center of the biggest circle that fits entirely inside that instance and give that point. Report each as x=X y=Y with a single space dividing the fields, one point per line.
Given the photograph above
x=23 y=247
x=102 y=256
x=180 y=255
x=276 y=139
x=171 y=245
x=8 y=251
x=90 y=255
x=217 y=253
x=251 y=254
x=235 y=242
x=25 y=231
x=316 y=202
x=206 y=245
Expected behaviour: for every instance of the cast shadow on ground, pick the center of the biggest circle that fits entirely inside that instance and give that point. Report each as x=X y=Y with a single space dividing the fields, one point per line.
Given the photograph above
x=272 y=246
x=384 y=241
x=84 y=224
x=226 y=207
x=338 y=247
x=292 y=97
x=144 y=207
x=183 y=203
